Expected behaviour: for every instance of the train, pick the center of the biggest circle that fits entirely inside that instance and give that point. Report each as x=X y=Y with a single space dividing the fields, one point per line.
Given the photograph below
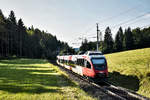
x=92 y=65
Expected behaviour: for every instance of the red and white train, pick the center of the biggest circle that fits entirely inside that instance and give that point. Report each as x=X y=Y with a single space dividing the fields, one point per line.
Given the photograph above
x=92 y=64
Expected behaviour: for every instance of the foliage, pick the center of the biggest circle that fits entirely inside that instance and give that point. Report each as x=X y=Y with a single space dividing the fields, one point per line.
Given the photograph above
x=87 y=46
x=108 y=41
x=146 y=37
x=127 y=40
x=138 y=38
x=119 y=40
x=17 y=40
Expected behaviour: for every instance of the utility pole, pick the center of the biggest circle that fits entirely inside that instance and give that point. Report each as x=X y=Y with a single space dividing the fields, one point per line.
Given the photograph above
x=97 y=36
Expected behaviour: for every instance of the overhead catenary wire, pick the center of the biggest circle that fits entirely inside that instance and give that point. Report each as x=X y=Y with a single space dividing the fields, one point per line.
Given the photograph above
x=136 y=21
x=145 y=26
x=127 y=21
x=110 y=18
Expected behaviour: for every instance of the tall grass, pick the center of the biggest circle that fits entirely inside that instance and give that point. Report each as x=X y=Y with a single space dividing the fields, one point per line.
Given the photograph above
x=131 y=69
x=36 y=79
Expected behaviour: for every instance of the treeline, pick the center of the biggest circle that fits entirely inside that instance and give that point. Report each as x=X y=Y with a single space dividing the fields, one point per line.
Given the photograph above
x=18 y=40
x=124 y=40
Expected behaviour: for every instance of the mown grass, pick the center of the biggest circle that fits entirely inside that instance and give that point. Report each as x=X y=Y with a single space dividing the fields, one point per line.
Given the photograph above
x=36 y=79
x=131 y=69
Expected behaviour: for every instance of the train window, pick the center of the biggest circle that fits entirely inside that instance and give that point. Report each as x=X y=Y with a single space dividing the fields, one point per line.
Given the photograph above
x=66 y=62
x=61 y=61
x=95 y=54
x=99 y=63
x=87 y=64
x=77 y=61
x=71 y=63
x=80 y=62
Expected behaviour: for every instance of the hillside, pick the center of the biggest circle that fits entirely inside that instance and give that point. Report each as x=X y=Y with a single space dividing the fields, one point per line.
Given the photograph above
x=36 y=79
x=131 y=69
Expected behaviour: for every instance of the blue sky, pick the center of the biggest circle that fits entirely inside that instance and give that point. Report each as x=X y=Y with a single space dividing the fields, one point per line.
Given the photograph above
x=71 y=19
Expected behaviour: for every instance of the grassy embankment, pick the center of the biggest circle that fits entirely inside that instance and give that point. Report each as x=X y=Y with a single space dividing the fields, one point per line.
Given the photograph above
x=35 y=79
x=131 y=69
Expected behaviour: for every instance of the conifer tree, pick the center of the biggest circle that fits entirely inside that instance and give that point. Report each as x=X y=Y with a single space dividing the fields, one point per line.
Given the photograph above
x=119 y=40
x=128 y=39
x=108 y=41
x=21 y=30
x=2 y=34
x=12 y=33
x=138 y=38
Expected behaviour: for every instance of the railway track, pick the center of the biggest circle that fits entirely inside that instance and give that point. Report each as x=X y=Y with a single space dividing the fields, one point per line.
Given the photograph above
x=125 y=94
x=114 y=92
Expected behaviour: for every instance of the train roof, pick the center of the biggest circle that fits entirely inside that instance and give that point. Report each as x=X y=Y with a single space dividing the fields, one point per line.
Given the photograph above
x=93 y=53
x=88 y=54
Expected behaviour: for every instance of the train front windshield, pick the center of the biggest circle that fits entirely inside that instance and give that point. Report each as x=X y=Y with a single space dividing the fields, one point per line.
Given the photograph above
x=99 y=63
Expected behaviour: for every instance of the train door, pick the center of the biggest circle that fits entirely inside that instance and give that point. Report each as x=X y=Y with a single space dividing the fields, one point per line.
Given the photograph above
x=78 y=67
x=87 y=70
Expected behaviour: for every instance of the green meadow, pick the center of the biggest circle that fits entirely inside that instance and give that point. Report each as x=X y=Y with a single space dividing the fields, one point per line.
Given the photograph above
x=131 y=69
x=36 y=79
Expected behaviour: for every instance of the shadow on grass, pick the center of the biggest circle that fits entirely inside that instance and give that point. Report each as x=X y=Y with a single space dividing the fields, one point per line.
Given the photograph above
x=35 y=80
x=129 y=82
x=32 y=89
x=23 y=61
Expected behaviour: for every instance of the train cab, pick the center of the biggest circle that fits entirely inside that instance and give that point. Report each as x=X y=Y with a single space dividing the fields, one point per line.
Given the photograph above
x=98 y=64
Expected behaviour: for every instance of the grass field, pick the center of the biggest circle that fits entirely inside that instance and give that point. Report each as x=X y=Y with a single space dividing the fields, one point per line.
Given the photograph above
x=131 y=69
x=35 y=79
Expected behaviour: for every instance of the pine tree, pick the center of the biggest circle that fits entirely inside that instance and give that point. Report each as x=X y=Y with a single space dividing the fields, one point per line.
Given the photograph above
x=2 y=21
x=108 y=41
x=84 y=47
x=128 y=39
x=146 y=37
x=2 y=34
x=138 y=38
x=12 y=33
x=21 y=30
x=119 y=40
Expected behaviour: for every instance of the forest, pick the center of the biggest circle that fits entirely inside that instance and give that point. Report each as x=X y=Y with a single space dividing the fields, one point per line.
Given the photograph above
x=124 y=40
x=17 y=40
